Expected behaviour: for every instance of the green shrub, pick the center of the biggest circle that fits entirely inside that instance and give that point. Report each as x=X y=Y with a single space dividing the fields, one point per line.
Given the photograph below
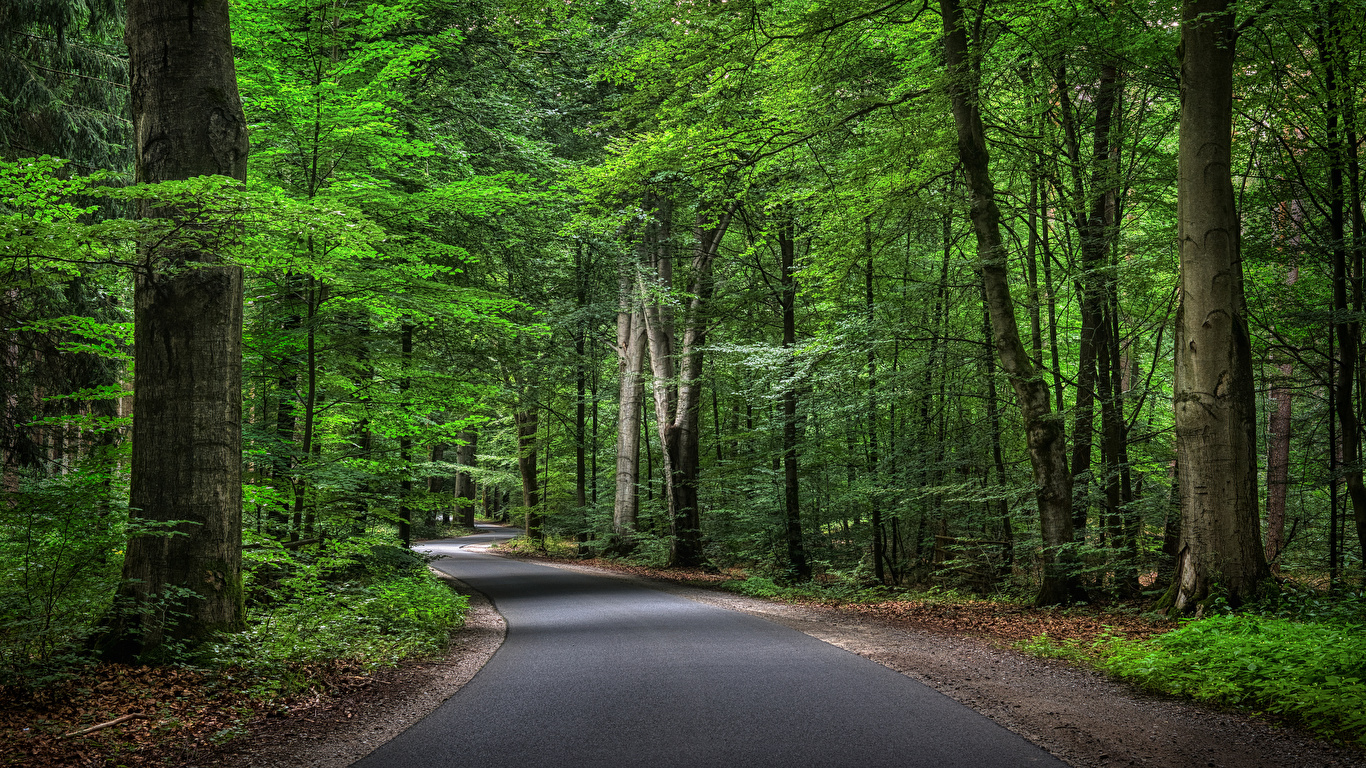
x=321 y=623
x=1311 y=673
x=61 y=550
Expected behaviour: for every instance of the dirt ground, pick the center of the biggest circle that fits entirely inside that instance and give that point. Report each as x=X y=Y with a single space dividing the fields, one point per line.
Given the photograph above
x=1080 y=716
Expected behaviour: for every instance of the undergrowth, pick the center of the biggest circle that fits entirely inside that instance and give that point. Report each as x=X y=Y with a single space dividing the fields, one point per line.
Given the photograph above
x=355 y=605
x=1311 y=673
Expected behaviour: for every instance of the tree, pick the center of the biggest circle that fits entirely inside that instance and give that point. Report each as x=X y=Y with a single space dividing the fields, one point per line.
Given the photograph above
x=1043 y=430
x=187 y=455
x=1220 y=551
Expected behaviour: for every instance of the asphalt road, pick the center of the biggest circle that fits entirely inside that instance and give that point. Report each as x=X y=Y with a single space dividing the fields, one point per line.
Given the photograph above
x=597 y=671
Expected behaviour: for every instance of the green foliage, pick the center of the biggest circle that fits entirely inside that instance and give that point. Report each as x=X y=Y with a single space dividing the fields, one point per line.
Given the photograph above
x=61 y=540
x=311 y=619
x=1045 y=647
x=1309 y=672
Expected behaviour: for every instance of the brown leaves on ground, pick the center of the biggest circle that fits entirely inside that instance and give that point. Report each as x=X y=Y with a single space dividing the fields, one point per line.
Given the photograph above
x=186 y=711
x=1010 y=622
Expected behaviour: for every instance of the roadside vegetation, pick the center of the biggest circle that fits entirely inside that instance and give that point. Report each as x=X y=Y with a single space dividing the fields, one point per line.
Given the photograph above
x=318 y=620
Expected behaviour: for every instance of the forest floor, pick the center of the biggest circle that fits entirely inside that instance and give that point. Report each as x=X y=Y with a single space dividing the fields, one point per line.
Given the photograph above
x=962 y=649
x=196 y=719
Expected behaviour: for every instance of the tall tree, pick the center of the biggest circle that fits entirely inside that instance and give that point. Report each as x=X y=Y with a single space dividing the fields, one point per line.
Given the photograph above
x=1044 y=434
x=187 y=454
x=1216 y=437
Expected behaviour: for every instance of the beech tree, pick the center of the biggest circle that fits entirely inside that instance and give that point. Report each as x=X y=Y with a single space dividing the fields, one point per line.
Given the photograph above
x=1213 y=392
x=183 y=576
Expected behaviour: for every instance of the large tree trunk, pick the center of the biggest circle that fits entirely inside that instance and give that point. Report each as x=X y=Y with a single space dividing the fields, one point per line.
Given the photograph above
x=1216 y=438
x=1044 y=434
x=685 y=509
x=187 y=450
x=677 y=372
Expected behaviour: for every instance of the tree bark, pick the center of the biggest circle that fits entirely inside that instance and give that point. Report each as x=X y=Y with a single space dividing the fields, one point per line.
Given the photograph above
x=1216 y=439
x=187 y=450
x=1045 y=438
x=630 y=367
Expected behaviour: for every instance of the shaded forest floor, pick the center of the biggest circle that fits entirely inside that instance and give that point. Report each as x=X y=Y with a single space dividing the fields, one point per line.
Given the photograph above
x=195 y=718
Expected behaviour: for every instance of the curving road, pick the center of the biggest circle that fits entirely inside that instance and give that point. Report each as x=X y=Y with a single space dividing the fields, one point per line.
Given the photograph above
x=598 y=671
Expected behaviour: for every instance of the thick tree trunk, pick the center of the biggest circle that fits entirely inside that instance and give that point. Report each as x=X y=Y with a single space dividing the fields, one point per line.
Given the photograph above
x=1216 y=438
x=1045 y=438
x=187 y=450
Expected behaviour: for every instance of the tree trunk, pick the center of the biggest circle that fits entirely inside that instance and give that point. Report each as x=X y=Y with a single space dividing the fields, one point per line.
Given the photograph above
x=874 y=459
x=1216 y=437
x=464 y=481
x=798 y=567
x=1348 y=330
x=1044 y=431
x=1002 y=510
x=405 y=442
x=1278 y=464
x=630 y=367
x=526 y=464
x=187 y=449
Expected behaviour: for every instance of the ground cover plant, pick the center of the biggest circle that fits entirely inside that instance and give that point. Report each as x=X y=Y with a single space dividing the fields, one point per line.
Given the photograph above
x=316 y=623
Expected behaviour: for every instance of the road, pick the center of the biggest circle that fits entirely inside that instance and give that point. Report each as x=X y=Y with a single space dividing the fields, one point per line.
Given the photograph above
x=599 y=671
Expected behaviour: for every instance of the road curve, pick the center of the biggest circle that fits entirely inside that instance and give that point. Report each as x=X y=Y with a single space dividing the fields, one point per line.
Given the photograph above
x=599 y=671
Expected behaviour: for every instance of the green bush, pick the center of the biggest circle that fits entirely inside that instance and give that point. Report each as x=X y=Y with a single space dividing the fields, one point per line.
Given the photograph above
x=61 y=542
x=321 y=623
x=1311 y=673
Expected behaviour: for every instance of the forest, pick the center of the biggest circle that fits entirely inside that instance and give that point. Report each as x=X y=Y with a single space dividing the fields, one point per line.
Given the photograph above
x=1056 y=302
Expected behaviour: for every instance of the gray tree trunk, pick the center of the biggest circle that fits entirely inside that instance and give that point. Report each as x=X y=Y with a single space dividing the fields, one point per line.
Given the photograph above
x=630 y=367
x=1216 y=437
x=187 y=449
